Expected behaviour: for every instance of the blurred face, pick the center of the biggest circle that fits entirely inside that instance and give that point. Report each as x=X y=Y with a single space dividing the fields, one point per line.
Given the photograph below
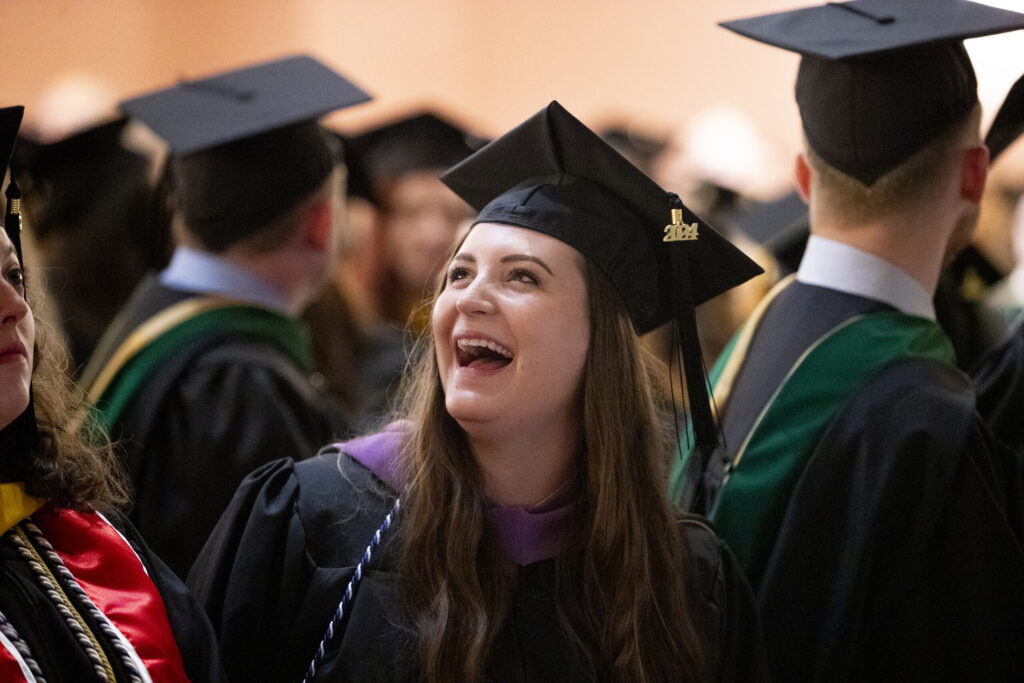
x=422 y=220
x=512 y=331
x=17 y=334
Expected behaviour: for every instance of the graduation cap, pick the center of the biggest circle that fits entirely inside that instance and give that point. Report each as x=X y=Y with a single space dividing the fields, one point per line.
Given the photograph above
x=554 y=175
x=1008 y=123
x=77 y=175
x=245 y=144
x=10 y=122
x=422 y=141
x=879 y=79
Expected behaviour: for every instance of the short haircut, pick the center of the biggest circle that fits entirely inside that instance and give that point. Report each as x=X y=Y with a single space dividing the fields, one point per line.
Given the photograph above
x=906 y=185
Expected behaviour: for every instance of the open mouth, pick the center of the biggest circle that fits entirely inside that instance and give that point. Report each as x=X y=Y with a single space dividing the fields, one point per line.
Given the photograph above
x=480 y=353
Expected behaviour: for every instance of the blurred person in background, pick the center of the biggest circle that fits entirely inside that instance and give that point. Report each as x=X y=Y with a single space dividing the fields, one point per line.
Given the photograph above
x=206 y=372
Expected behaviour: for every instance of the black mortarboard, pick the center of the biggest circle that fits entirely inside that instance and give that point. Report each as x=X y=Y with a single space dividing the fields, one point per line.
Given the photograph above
x=554 y=175
x=246 y=143
x=422 y=141
x=76 y=175
x=10 y=122
x=878 y=79
x=1008 y=123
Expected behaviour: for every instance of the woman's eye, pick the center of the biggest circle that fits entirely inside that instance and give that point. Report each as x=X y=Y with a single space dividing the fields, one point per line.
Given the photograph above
x=524 y=275
x=457 y=273
x=16 y=278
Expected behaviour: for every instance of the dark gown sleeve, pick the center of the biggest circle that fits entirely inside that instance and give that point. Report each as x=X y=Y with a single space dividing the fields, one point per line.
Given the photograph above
x=278 y=562
x=192 y=631
x=190 y=443
x=725 y=611
x=999 y=381
x=900 y=554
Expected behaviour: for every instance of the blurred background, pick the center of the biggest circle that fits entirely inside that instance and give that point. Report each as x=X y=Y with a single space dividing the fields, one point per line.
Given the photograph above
x=707 y=113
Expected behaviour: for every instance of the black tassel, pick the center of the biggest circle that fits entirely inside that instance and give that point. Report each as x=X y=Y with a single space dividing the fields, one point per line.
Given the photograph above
x=706 y=435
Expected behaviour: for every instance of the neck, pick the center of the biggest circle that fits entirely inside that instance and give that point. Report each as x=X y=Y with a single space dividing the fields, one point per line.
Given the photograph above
x=912 y=244
x=285 y=272
x=526 y=469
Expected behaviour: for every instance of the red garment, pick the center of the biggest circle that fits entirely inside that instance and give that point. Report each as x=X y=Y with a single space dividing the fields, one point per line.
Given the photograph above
x=112 y=575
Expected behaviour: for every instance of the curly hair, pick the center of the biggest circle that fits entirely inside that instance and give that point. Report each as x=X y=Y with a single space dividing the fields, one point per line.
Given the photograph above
x=66 y=466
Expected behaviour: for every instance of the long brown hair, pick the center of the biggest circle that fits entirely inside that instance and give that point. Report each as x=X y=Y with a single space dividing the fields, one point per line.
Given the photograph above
x=65 y=466
x=620 y=590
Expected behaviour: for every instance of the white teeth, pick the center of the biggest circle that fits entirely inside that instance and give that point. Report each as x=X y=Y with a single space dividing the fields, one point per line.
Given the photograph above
x=464 y=344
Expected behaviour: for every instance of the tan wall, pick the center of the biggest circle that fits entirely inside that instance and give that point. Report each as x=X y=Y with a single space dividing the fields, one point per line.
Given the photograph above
x=492 y=62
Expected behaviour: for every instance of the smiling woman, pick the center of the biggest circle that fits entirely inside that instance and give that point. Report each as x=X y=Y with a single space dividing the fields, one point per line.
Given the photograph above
x=531 y=538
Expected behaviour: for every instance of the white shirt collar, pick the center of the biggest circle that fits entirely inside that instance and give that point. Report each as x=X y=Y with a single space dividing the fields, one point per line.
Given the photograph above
x=198 y=271
x=831 y=264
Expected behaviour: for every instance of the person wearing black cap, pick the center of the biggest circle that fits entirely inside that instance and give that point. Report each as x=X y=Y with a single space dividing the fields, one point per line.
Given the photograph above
x=81 y=596
x=878 y=522
x=532 y=539
x=83 y=196
x=999 y=374
x=205 y=374
x=385 y=270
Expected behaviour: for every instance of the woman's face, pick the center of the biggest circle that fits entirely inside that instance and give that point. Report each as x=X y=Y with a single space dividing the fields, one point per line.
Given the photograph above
x=512 y=330
x=17 y=334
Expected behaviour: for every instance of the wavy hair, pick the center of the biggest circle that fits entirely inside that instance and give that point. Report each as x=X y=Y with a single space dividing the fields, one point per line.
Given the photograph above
x=620 y=584
x=72 y=468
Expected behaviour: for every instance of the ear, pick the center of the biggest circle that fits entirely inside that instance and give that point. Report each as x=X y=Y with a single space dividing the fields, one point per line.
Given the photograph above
x=319 y=223
x=973 y=172
x=802 y=175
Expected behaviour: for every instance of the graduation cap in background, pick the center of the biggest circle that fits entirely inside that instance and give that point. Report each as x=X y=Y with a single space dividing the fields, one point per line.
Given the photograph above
x=418 y=142
x=245 y=144
x=879 y=79
x=639 y=148
x=1008 y=123
x=68 y=172
x=554 y=175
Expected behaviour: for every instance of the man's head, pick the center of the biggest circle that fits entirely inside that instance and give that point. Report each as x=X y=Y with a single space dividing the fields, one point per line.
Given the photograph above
x=888 y=101
x=245 y=146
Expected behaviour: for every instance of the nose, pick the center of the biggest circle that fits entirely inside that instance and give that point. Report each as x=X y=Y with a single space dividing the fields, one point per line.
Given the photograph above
x=13 y=306
x=475 y=299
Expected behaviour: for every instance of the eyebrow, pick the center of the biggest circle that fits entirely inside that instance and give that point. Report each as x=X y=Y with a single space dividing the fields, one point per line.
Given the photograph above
x=511 y=258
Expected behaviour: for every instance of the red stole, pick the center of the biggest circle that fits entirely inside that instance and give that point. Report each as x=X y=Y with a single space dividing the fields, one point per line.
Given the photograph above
x=113 y=577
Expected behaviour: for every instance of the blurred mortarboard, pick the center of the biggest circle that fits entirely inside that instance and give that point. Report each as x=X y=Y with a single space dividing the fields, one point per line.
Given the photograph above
x=246 y=143
x=422 y=141
x=10 y=122
x=878 y=79
x=554 y=175
x=639 y=148
x=77 y=173
x=1008 y=123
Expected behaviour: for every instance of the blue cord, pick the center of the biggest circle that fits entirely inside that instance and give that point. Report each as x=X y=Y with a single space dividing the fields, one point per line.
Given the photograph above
x=350 y=590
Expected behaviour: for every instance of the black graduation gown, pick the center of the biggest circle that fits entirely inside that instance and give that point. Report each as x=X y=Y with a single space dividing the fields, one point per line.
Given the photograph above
x=219 y=409
x=999 y=380
x=900 y=556
x=278 y=562
x=52 y=644
x=900 y=553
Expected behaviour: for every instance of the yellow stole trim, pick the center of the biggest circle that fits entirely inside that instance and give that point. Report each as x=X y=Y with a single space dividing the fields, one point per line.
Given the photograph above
x=15 y=504
x=151 y=329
